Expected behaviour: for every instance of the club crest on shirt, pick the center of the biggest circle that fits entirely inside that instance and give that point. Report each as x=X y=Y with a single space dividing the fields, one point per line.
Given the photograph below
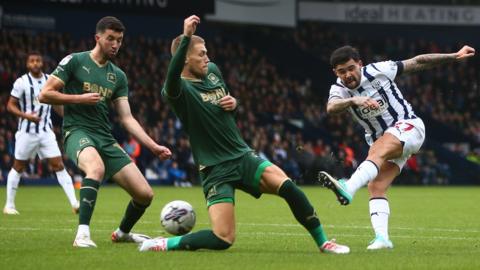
x=111 y=77
x=376 y=84
x=213 y=78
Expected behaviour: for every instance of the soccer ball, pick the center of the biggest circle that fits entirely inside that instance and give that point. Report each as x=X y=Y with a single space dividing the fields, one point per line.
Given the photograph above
x=177 y=217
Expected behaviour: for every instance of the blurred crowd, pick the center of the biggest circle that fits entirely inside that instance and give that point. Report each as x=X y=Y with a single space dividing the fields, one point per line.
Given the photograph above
x=283 y=118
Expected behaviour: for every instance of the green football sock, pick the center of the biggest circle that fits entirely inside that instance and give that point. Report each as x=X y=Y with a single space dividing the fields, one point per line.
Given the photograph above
x=133 y=213
x=88 y=198
x=303 y=210
x=202 y=239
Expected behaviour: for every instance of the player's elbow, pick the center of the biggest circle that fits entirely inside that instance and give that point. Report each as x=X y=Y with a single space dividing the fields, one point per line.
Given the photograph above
x=331 y=109
x=42 y=97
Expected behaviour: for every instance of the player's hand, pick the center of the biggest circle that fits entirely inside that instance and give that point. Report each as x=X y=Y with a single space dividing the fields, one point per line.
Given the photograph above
x=190 y=25
x=32 y=117
x=228 y=103
x=90 y=98
x=366 y=102
x=465 y=52
x=162 y=152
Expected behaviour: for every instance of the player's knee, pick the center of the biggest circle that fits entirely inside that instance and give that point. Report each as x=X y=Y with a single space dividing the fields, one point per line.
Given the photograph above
x=96 y=172
x=19 y=167
x=145 y=197
x=57 y=166
x=226 y=234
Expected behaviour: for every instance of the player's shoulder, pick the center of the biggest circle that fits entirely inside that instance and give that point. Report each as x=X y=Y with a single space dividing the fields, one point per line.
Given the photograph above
x=338 y=86
x=381 y=67
x=73 y=57
x=21 y=80
x=213 y=68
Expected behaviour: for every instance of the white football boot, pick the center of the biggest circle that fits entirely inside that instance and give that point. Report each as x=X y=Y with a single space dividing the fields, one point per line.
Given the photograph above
x=332 y=247
x=10 y=211
x=121 y=237
x=155 y=244
x=380 y=243
x=84 y=241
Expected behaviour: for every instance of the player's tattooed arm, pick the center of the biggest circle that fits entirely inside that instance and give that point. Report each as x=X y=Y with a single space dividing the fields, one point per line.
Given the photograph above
x=339 y=105
x=427 y=61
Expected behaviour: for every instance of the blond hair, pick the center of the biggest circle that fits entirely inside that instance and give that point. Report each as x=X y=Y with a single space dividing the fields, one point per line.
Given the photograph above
x=193 y=40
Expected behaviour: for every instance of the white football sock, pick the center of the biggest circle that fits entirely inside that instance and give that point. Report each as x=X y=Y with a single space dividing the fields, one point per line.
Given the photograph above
x=66 y=182
x=83 y=230
x=366 y=172
x=379 y=213
x=13 y=179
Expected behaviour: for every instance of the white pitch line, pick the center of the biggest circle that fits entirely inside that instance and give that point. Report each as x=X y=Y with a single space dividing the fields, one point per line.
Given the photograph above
x=452 y=230
x=257 y=234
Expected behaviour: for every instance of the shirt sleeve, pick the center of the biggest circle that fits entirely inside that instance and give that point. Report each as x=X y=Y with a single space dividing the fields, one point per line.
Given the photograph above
x=391 y=69
x=65 y=68
x=173 y=81
x=18 y=88
x=122 y=87
x=337 y=92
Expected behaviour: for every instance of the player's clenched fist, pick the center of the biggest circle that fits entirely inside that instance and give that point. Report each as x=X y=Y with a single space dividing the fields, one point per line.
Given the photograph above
x=162 y=152
x=190 y=25
x=90 y=98
x=228 y=103
x=465 y=52
x=365 y=102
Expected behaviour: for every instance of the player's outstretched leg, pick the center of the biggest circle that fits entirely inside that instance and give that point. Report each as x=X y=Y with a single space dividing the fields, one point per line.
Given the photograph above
x=13 y=179
x=275 y=181
x=131 y=179
x=220 y=238
x=305 y=215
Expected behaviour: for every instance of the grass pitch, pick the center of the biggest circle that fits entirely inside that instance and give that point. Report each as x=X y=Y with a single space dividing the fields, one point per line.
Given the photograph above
x=431 y=228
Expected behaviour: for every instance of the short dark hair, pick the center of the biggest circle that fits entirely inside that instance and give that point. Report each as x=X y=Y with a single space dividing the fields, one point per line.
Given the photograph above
x=30 y=53
x=343 y=55
x=109 y=22
x=193 y=40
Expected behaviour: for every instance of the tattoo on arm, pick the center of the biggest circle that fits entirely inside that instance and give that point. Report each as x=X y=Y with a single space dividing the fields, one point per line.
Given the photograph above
x=427 y=61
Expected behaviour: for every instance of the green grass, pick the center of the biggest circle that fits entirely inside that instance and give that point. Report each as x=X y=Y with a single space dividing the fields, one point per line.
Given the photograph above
x=431 y=228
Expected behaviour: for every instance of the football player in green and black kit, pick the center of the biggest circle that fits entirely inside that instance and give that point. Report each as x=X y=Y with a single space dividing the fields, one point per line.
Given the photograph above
x=197 y=93
x=90 y=81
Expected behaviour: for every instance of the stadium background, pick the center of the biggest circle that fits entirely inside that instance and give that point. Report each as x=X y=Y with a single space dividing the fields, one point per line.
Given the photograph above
x=274 y=56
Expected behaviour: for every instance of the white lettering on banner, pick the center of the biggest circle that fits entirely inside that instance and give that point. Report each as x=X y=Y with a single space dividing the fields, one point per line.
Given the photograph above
x=379 y=13
x=139 y=3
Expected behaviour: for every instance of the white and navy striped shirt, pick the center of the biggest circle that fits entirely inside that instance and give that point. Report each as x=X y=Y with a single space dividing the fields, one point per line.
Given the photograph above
x=378 y=83
x=27 y=89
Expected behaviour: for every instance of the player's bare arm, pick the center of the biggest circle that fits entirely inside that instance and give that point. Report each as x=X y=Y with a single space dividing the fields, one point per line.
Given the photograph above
x=51 y=94
x=427 y=61
x=228 y=103
x=173 y=79
x=12 y=107
x=339 y=105
x=133 y=127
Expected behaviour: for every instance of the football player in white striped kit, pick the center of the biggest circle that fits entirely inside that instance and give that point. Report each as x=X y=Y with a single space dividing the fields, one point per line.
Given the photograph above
x=35 y=134
x=392 y=129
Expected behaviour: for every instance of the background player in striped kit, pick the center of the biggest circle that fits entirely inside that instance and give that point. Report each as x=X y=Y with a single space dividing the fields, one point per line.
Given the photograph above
x=34 y=135
x=392 y=129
